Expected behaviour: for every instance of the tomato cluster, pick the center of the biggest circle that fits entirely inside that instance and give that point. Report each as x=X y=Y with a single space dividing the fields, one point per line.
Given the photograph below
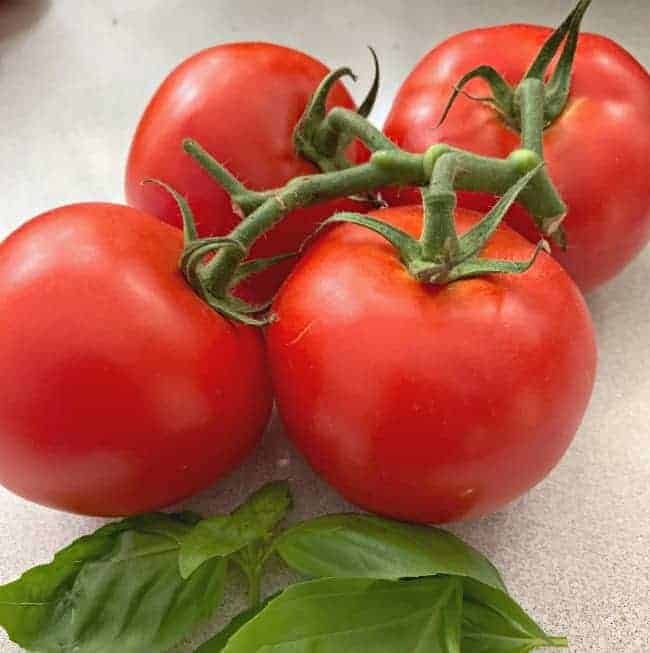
x=123 y=390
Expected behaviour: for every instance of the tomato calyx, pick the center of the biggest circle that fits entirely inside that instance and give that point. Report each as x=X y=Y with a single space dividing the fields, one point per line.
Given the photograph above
x=318 y=141
x=440 y=256
x=506 y=99
x=198 y=272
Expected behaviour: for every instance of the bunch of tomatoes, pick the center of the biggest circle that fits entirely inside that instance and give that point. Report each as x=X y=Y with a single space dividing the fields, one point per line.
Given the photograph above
x=122 y=390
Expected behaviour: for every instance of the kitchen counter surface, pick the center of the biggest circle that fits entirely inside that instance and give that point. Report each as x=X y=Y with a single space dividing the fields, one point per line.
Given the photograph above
x=74 y=78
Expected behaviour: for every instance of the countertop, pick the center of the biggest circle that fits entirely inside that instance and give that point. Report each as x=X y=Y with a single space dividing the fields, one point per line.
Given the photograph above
x=74 y=78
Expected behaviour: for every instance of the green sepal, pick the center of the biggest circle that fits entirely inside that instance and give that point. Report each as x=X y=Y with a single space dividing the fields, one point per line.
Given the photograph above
x=551 y=46
x=255 y=266
x=305 y=135
x=557 y=89
x=476 y=267
x=201 y=247
x=364 y=109
x=247 y=308
x=368 y=103
x=475 y=239
x=189 y=223
x=502 y=93
x=407 y=246
x=191 y=260
x=231 y=307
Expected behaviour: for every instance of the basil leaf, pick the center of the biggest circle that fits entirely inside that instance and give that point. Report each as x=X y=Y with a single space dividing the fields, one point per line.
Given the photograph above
x=355 y=615
x=368 y=546
x=494 y=623
x=223 y=535
x=217 y=643
x=118 y=589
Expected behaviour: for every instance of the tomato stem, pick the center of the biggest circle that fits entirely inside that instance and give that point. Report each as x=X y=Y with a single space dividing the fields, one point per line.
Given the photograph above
x=439 y=238
x=529 y=98
x=343 y=121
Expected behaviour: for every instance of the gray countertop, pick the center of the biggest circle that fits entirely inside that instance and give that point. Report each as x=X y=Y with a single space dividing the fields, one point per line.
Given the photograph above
x=74 y=78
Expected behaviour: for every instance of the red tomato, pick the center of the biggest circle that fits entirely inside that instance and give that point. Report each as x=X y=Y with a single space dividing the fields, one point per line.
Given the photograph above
x=120 y=390
x=598 y=150
x=241 y=101
x=428 y=403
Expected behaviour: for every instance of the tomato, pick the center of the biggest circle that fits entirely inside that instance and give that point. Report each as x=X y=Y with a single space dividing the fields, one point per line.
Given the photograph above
x=598 y=150
x=429 y=403
x=120 y=390
x=241 y=102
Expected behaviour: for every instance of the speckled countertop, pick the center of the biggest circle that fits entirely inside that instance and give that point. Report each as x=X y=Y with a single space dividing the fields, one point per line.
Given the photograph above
x=74 y=78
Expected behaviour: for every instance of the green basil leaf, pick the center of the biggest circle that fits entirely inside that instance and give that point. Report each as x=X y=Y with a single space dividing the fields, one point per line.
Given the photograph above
x=118 y=589
x=494 y=623
x=368 y=546
x=217 y=643
x=357 y=615
x=226 y=534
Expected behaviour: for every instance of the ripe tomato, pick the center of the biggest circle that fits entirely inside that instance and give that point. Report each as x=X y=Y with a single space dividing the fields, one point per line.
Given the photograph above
x=598 y=150
x=241 y=102
x=120 y=390
x=429 y=403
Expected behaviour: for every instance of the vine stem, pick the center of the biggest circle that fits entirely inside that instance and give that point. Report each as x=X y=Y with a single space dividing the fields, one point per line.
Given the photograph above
x=474 y=173
x=385 y=168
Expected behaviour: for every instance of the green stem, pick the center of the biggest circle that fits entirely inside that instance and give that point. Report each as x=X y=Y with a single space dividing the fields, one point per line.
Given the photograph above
x=246 y=199
x=251 y=563
x=560 y=642
x=439 y=237
x=344 y=121
x=530 y=103
x=386 y=168
x=254 y=588
x=530 y=96
x=301 y=192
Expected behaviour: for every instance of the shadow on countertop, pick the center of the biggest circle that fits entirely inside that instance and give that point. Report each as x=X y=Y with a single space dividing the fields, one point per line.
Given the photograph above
x=16 y=16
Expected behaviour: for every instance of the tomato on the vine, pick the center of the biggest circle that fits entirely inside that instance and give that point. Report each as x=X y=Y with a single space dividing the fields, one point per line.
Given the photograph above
x=241 y=102
x=597 y=150
x=120 y=389
x=429 y=403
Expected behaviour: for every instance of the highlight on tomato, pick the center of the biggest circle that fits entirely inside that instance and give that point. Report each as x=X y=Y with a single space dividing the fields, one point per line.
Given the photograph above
x=596 y=140
x=121 y=389
x=242 y=102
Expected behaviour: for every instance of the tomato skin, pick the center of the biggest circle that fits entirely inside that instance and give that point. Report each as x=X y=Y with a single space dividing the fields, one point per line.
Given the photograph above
x=598 y=150
x=423 y=403
x=241 y=101
x=120 y=390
